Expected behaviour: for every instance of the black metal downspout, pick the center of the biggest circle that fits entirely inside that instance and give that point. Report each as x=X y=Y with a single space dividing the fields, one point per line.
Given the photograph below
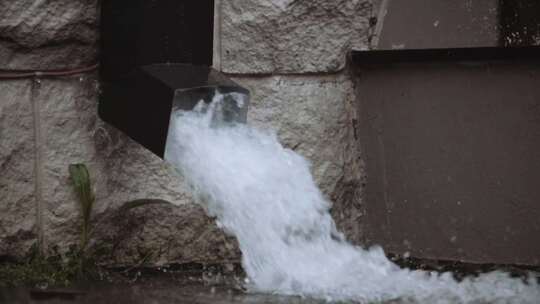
x=152 y=51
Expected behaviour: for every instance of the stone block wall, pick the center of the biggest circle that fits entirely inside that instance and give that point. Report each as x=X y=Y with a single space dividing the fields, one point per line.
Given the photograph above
x=290 y=54
x=48 y=124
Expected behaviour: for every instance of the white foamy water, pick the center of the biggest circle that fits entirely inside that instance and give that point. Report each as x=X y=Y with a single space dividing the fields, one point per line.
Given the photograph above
x=264 y=194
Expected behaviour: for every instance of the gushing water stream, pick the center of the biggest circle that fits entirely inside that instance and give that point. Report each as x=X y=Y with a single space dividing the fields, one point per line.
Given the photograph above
x=264 y=195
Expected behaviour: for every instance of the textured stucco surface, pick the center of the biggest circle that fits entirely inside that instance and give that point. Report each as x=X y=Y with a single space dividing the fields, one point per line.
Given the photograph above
x=17 y=200
x=122 y=171
x=38 y=34
x=289 y=36
x=60 y=34
x=312 y=114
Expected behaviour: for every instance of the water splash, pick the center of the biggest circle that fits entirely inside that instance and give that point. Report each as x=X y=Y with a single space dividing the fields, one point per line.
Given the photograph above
x=264 y=194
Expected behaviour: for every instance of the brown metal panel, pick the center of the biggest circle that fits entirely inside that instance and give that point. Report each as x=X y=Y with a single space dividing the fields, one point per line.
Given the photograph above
x=453 y=160
x=424 y=24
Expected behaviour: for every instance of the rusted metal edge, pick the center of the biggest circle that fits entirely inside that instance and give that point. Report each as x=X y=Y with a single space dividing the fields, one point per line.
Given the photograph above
x=447 y=55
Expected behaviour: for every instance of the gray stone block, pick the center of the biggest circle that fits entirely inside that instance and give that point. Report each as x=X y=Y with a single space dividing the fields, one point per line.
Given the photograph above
x=17 y=157
x=287 y=36
x=36 y=34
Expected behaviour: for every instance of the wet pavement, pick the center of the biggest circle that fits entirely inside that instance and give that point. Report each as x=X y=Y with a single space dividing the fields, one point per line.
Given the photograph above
x=155 y=291
x=189 y=285
x=147 y=294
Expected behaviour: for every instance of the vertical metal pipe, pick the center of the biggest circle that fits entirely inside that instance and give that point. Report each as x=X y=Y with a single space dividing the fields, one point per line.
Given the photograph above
x=38 y=163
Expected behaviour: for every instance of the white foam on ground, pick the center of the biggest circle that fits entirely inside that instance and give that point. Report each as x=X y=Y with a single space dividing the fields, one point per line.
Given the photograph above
x=265 y=195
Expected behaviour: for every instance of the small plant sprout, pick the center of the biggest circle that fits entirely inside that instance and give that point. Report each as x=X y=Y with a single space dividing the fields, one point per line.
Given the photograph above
x=83 y=187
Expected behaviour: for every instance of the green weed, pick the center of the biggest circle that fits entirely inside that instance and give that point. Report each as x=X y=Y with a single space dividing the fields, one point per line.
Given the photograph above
x=79 y=262
x=83 y=186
